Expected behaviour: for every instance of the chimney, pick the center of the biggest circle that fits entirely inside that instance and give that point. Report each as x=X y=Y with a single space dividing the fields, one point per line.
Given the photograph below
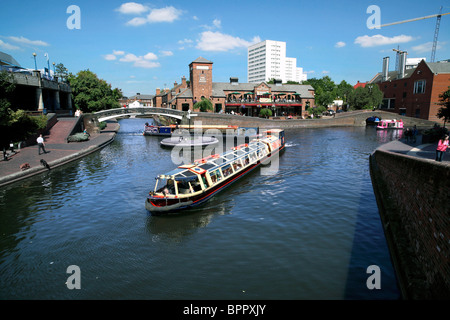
x=385 y=71
x=183 y=82
x=158 y=91
x=278 y=82
x=402 y=65
x=175 y=84
x=234 y=81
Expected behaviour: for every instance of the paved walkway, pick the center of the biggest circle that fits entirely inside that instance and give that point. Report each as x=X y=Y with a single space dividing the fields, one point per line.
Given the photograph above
x=415 y=149
x=59 y=152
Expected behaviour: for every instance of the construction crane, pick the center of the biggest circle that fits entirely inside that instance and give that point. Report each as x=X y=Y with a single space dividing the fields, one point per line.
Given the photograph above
x=436 y=30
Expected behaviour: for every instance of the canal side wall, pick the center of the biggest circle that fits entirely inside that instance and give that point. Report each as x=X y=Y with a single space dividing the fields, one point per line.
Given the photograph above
x=413 y=197
x=346 y=119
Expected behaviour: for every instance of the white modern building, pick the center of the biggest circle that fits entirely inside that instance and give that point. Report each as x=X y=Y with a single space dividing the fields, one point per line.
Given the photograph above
x=267 y=60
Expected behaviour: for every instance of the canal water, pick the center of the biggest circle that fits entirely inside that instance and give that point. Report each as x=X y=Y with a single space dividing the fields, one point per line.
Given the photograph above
x=310 y=231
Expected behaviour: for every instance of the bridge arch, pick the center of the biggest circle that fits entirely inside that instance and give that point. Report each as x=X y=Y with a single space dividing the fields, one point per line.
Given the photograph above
x=139 y=111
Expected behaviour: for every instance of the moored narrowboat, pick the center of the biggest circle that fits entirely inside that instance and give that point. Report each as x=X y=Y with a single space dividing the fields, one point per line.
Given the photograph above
x=390 y=124
x=192 y=184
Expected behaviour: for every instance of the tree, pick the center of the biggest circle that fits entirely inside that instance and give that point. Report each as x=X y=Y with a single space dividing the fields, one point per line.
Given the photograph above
x=265 y=112
x=366 y=97
x=325 y=90
x=203 y=105
x=61 y=71
x=344 y=89
x=444 y=101
x=91 y=94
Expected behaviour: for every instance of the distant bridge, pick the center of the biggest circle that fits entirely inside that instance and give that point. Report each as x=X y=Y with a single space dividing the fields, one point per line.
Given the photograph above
x=140 y=111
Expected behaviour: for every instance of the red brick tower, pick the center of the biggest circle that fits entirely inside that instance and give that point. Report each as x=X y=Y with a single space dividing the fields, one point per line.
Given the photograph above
x=200 y=72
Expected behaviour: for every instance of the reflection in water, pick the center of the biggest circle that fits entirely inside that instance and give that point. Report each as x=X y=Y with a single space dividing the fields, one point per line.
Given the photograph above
x=384 y=136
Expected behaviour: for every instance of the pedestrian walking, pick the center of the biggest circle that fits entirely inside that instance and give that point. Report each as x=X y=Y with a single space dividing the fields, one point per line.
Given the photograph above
x=441 y=148
x=41 y=144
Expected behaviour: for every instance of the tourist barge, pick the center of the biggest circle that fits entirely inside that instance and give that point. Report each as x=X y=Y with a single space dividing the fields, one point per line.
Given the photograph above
x=193 y=184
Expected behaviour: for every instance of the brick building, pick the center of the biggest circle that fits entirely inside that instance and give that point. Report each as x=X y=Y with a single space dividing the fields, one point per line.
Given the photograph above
x=243 y=98
x=413 y=92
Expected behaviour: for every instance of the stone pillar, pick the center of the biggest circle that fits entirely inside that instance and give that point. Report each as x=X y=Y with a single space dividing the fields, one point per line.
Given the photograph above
x=69 y=101
x=57 y=102
x=39 y=99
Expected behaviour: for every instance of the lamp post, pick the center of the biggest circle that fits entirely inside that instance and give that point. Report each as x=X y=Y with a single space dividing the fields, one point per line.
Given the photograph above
x=35 y=65
x=54 y=72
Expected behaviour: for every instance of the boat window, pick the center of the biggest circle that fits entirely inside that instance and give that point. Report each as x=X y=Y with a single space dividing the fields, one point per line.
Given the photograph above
x=246 y=161
x=252 y=157
x=168 y=186
x=237 y=165
x=196 y=186
x=215 y=176
x=227 y=170
x=184 y=187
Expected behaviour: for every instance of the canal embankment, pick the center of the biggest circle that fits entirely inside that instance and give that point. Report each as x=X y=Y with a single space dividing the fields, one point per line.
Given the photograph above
x=413 y=197
x=60 y=152
x=345 y=119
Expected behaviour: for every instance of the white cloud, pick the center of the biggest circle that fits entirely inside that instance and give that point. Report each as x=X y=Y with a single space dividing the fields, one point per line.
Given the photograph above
x=132 y=8
x=340 y=44
x=118 y=52
x=167 y=14
x=150 y=56
x=26 y=41
x=426 y=47
x=310 y=72
x=216 y=41
x=7 y=46
x=325 y=72
x=217 y=23
x=379 y=40
x=137 y=22
x=129 y=57
x=166 y=53
x=146 y=61
x=110 y=57
x=185 y=41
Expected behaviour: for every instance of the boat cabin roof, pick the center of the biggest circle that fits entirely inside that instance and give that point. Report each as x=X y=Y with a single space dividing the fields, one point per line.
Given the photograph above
x=211 y=163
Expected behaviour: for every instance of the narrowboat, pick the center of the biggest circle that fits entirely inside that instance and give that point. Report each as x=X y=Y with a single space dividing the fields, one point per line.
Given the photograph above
x=390 y=124
x=191 y=185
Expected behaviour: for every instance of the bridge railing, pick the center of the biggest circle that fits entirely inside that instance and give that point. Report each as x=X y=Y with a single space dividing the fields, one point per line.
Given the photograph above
x=140 y=110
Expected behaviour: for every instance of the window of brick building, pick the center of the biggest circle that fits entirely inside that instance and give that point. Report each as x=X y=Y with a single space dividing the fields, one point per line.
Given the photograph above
x=419 y=86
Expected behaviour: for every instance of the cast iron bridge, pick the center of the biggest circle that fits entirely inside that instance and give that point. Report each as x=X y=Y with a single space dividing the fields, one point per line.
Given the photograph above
x=141 y=111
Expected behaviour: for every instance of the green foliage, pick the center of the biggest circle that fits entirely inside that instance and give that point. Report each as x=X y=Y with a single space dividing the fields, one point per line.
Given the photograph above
x=326 y=90
x=266 y=112
x=444 y=101
x=61 y=71
x=102 y=125
x=203 y=105
x=92 y=94
x=366 y=97
x=316 y=111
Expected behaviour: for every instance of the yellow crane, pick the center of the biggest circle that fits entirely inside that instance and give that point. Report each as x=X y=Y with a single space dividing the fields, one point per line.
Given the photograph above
x=436 y=30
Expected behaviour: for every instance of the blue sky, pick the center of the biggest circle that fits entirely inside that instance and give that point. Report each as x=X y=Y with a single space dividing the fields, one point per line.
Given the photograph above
x=143 y=45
